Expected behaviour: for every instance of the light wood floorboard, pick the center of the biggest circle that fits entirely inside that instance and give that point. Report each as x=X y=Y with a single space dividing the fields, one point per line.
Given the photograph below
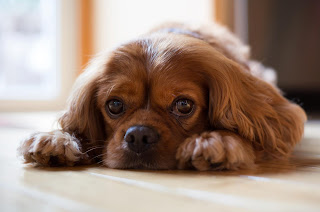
x=271 y=187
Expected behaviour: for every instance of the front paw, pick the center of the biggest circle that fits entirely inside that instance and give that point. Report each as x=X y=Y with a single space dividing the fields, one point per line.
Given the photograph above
x=55 y=148
x=215 y=150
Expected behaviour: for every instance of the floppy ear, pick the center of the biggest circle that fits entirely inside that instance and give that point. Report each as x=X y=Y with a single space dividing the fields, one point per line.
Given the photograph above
x=254 y=109
x=83 y=118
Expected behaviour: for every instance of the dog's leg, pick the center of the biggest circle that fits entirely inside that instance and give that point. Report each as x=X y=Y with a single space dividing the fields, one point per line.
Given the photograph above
x=216 y=150
x=56 y=148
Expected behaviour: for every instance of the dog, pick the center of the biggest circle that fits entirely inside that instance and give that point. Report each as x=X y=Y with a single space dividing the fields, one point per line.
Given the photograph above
x=178 y=97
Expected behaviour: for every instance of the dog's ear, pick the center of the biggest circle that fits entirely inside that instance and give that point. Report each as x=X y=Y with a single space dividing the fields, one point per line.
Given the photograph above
x=242 y=103
x=82 y=117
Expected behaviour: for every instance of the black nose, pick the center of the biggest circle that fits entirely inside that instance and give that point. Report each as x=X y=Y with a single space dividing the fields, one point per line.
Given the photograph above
x=141 y=138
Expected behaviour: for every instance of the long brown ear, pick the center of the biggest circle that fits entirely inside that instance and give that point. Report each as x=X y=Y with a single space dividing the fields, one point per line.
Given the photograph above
x=83 y=117
x=254 y=109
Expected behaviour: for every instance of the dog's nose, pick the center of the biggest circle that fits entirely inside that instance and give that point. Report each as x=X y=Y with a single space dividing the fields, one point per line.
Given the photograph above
x=140 y=138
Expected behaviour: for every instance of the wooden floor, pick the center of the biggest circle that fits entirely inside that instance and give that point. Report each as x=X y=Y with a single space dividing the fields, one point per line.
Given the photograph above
x=272 y=187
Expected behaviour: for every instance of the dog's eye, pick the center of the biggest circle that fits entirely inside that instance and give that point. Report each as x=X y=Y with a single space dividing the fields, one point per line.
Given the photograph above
x=114 y=107
x=184 y=106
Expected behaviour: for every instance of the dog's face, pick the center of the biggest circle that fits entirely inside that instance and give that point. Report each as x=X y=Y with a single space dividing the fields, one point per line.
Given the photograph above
x=148 y=96
x=151 y=99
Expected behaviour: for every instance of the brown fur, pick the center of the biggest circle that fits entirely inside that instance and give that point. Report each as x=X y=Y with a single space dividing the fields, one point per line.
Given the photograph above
x=239 y=118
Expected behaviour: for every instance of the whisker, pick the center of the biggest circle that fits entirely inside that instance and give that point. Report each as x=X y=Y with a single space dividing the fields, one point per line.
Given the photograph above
x=98 y=156
x=100 y=162
x=93 y=148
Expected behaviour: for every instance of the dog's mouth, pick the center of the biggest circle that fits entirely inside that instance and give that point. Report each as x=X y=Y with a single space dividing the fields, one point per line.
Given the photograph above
x=150 y=159
x=141 y=160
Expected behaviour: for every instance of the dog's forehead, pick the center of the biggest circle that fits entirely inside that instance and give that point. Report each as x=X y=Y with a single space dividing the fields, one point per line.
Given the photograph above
x=172 y=82
x=159 y=88
x=155 y=57
x=159 y=59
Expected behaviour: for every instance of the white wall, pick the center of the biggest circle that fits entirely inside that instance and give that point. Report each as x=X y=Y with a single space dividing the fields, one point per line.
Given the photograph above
x=116 y=21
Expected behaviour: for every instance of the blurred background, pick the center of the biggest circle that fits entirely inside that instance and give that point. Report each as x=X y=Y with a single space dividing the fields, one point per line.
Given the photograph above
x=44 y=44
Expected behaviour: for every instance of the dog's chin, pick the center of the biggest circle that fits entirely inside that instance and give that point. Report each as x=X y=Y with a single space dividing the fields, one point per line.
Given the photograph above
x=147 y=160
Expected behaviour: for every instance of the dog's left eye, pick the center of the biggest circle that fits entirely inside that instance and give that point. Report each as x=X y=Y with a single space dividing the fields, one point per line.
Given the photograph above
x=114 y=107
x=183 y=106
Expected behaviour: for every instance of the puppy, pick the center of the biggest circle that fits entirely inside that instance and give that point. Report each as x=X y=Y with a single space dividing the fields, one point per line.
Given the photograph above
x=178 y=97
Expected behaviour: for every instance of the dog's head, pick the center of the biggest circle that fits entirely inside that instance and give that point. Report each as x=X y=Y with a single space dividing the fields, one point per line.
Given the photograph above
x=146 y=97
x=152 y=99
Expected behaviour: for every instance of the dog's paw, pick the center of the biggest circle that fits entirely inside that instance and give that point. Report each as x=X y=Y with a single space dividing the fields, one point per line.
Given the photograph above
x=217 y=150
x=55 y=148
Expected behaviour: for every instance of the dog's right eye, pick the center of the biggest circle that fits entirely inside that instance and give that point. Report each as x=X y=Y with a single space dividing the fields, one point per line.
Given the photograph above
x=182 y=107
x=114 y=107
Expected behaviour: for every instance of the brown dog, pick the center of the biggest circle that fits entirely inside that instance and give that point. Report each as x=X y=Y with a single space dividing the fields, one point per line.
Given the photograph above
x=177 y=97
